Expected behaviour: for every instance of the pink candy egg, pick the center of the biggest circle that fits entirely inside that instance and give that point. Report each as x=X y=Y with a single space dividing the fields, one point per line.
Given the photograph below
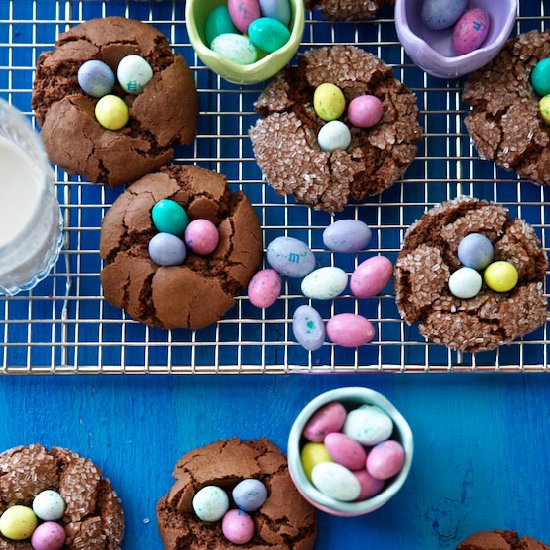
x=202 y=237
x=370 y=277
x=264 y=288
x=471 y=31
x=48 y=536
x=365 y=111
x=243 y=12
x=385 y=459
x=237 y=527
x=370 y=486
x=326 y=420
x=350 y=330
x=345 y=451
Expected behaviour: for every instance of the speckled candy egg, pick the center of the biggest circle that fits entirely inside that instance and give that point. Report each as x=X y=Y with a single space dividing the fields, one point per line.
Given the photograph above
x=277 y=9
x=238 y=527
x=313 y=454
x=236 y=48
x=325 y=283
x=349 y=330
x=291 y=257
x=442 y=14
x=501 y=276
x=268 y=34
x=250 y=494
x=308 y=328
x=540 y=77
x=243 y=12
x=345 y=451
x=329 y=101
x=96 y=78
x=465 y=283
x=476 y=251
x=49 y=506
x=326 y=420
x=544 y=109
x=335 y=481
x=365 y=111
x=134 y=73
x=210 y=503
x=112 y=113
x=218 y=22
x=371 y=277
x=368 y=424
x=385 y=460
x=370 y=486
x=18 y=522
x=333 y=136
x=347 y=236
x=166 y=249
x=169 y=217
x=471 y=31
x=48 y=536
x=202 y=237
x=264 y=288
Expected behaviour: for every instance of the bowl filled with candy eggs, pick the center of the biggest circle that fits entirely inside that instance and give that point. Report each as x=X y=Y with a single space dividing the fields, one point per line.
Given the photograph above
x=349 y=451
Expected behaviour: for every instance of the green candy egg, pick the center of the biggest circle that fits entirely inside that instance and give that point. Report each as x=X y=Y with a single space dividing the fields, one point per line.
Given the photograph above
x=540 y=77
x=329 y=102
x=218 y=22
x=268 y=34
x=235 y=47
x=170 y=217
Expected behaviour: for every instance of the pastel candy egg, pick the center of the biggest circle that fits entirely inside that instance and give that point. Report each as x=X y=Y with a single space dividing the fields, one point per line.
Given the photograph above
x=325 y=283
x=236 y=48
x=210 y=503
x=268 y=34
x=308 y=328
x=250 y=494
x=347 y=236
x=371 y=277
x=350 y=330
x=202 y=237
x=112 y=113
x=49 y=506
x=218 y=22
x=291 y=257
x=313 y=454
x=333 y=136
x=465 y=283
x=471 y=31
x=277 y=9
x=134 y=73
x=18 y=522
x=243 y=12
x=166 y=249
x=335 y=481
x=544 y=109
x=96 y=78
x=501 y=276
x=365 y=111
x=329 y=102
x=370 y=486
x=385 y=460
x=238 y=527
x=442 y=14
x=48 y=536
x=169 y=217
x=476 y=251
x=345 y=451
x=540 y=77
x=369 y=425
x=326 y=420
x=264 y=288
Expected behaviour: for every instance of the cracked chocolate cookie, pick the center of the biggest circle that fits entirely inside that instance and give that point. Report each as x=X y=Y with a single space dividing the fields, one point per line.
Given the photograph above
x=285 y=138
x=162 y=116
x=500 y=540
x=200 y=291
x=358 y=10
x=284 y=522
x=505 y=124
x=93 y=518
x=429 y=256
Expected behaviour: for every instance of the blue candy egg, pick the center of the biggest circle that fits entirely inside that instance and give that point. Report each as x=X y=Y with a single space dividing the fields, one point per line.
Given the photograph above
x=277 y=9
x=166 y=249
x=442 y=14
x=290 y=257
x=308 y=328
x=96 y=78
x=249 y=495
x=476 y=251
x=347 y=236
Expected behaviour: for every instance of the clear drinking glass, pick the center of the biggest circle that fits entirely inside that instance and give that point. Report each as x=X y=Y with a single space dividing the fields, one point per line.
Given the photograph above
x=31 y=226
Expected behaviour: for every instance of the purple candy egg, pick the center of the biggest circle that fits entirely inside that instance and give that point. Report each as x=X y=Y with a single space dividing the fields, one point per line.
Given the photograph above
x=166 y=249
x=202 y=237
x=238 y=527
x=48 y=536
x=365 y=111
x=471 y=31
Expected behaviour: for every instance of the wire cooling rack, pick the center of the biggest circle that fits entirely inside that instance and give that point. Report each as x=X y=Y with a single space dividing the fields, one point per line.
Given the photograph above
x=65 y=325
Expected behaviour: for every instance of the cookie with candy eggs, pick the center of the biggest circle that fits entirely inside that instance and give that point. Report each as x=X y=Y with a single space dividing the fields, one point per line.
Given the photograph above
x=359 y=10
x=501 y=540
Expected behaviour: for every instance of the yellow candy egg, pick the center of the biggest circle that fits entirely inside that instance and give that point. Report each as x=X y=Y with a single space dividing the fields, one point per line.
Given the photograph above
x=313 y=454
x=501 y=276
x=18 y=522
x=544 y=108
x=112 y=113
x=329 y=102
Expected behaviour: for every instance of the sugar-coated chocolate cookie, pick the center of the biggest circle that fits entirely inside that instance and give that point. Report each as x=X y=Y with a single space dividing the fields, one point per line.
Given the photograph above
x=500 y=540
x=285 y=138
x=162 y=116
x=429 y=256
x=93 y=518
x=284 y=522
x=349 y=9
x=200 y=291
x=505 y=124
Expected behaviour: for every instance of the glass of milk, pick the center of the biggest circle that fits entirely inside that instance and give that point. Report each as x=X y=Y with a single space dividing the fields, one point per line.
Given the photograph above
x=31 y=227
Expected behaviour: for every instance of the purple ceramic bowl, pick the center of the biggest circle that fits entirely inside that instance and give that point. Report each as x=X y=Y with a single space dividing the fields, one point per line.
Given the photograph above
x=433 y=51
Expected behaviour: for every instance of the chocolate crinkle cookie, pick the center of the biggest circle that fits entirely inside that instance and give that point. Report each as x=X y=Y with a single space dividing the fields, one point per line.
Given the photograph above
x=500 y=540
x=284 y=522
x=162 y=116
x=358 y=10
x=429 y=256
x=93 y=517
x=200 y=291
x=285 y=138
x=505 y=124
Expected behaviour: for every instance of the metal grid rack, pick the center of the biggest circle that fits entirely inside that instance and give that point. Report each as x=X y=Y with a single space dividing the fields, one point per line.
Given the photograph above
x=65 y=326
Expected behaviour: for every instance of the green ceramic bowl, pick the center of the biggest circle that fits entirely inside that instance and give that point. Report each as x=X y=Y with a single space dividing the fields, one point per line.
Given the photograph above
x=196 y=12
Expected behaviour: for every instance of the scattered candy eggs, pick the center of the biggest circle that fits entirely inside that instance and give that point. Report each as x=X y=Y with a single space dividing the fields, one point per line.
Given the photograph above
x=371 y=277
x=112 y=113
x=18 y=522
x=347 y=236
x=465 y=283
x=501 y=276
x=49 y=506
x=540 y=77
x=471 y=31
x=243 y=12
x=202 y=237
x=210 y=503
x=365 y=111
x=368 y=424
x=235 y=47
x=325 y=283
x=238 y=527
x=345 y=451
x=544 y=109
x=264 y=288
x=218 y=22
x=370 y=486
x=291 y=257
x=385 y=460
x=96 y=78
x=166 y=249
x=335 y=481
x=277 y=9
x=48 y=536
x=308 y=328
x=442 y=14
x=476 y=251
x=268 y=34
x=329 y=102
x=334 y=135
x=313 y=454
x=350 y=330
x=249 y=495
x=328 y=419
x=169 y=217
x=134 y=73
